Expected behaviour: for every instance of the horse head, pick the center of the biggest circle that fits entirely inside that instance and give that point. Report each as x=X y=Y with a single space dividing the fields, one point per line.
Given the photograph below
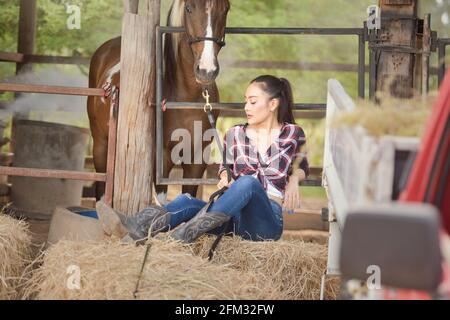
x=205 y=22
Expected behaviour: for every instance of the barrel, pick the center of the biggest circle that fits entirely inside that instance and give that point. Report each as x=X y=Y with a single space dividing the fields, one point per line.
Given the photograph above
x=47 y=145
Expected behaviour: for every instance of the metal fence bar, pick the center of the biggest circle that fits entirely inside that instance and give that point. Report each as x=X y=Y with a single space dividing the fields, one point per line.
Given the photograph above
x=297 y=114
x=281 y=31
x=441 y=46
x=362 y=65
x=201 y=181
x=159 y=113
x=55 y=174
x=237 y=106
x=372 y=68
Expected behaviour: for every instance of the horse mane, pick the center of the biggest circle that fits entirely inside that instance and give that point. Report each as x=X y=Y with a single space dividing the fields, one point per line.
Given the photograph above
x=171 y=42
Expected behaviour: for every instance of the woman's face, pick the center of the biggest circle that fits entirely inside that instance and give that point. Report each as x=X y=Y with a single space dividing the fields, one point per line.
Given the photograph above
x=258 y=105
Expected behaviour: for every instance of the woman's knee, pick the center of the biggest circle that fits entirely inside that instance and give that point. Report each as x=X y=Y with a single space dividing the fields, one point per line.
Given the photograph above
x=182 y=201
x=247 y=183
x=185 y=196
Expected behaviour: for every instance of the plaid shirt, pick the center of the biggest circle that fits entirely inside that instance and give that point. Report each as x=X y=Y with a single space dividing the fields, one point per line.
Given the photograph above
x=272 y=169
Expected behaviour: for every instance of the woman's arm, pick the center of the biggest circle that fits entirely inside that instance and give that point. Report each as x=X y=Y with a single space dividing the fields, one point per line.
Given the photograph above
x=292 y=194
x=299 y=171
x=227 y=158
x=300 y=168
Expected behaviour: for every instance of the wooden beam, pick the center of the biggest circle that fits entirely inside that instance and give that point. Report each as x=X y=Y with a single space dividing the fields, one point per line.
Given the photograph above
x=426 y=45
x=11 y=57
x=32 y=88
x=54 y=174
x=35 y=58
x=27 y=32
x=131 y=6
x=395 y=71
x=136 y=128
x=25 y=45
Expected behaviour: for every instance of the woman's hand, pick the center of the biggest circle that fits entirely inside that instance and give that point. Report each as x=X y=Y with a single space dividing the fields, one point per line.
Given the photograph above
x=292 y=195
x=224 y=180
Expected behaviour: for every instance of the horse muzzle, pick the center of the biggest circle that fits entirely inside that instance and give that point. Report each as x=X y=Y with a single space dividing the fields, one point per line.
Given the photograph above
x=206 y=76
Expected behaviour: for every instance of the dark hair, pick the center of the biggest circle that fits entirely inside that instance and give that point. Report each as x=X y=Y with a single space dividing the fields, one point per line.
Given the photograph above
x=279 y=88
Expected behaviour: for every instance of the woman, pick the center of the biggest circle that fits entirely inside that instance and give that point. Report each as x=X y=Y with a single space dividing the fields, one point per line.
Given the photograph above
x=260 y=155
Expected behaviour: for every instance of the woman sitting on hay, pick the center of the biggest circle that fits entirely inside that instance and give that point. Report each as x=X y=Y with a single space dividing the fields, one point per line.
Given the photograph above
x=260 y=156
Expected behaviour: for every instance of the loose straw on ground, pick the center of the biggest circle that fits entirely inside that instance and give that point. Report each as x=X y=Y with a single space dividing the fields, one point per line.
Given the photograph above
x=294 y=267
x=110 y=271
x=15 y=245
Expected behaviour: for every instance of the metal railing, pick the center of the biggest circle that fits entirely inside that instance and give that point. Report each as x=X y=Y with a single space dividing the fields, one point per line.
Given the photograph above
x=107 y=177
x=441 y=48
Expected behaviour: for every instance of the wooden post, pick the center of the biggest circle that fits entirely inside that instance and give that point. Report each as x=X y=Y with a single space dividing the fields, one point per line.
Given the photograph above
x=426 y=55
x=136 y=128
x=131 y=6
x=27 y=32
x=25 y=45
x=395 y=71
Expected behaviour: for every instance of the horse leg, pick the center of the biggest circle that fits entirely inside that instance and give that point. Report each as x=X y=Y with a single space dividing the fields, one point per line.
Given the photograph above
x=100 y=153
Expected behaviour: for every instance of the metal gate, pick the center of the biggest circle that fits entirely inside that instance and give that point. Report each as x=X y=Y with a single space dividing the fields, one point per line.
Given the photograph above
x=360 y=33
x=107 y=177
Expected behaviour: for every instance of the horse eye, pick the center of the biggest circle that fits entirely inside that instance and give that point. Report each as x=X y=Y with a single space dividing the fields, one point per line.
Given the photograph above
x=188 y=8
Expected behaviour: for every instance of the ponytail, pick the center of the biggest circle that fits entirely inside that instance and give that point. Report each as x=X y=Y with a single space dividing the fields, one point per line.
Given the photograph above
x=279 y=88
x=285 y=110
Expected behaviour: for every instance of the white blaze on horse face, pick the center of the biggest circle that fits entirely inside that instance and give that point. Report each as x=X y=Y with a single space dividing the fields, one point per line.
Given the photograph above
x=207 y=59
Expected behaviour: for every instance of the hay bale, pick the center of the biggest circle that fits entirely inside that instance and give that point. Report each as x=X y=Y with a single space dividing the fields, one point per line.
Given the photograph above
x=110 y=271
x=294 y=267
x=396 y=117
x=15 y=255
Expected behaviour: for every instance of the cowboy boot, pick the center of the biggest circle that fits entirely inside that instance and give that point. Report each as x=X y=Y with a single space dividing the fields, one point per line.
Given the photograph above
x=153 y=219
x=137 y=227
x=203 y=222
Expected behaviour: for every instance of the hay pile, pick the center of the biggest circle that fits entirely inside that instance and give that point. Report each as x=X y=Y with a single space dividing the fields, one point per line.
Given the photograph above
x=294 y=267
x=15 y=255
x=395 y=117
x=110 y=271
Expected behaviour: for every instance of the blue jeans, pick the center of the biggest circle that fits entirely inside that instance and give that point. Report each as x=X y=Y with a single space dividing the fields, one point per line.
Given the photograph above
x=254 y=216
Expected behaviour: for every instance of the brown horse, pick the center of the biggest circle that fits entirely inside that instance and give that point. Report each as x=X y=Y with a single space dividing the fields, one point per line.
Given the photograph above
x=190 y=65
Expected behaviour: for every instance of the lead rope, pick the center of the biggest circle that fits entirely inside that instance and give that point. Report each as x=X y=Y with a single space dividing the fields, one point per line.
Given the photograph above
x=216 y=195
x=147 y=250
